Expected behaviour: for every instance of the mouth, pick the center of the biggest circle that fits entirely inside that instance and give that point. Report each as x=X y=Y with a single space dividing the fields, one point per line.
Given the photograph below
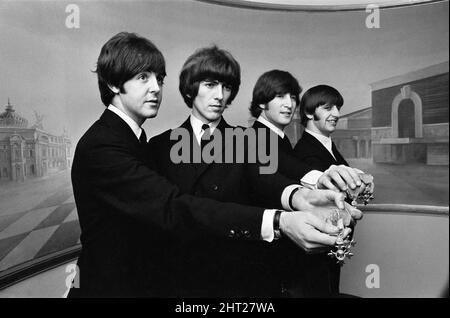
x=286 y=113
x=333 y=121
x=216 y=107
x=152 y=101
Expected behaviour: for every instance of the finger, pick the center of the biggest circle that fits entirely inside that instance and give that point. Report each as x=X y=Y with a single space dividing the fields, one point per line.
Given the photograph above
x=327 y=197
x=354 y=212
x=347 y=231
x=325 y=183
x=349 y=175
x=336 y=197
x=354 y=174
x=320 y=240
x=336 y=177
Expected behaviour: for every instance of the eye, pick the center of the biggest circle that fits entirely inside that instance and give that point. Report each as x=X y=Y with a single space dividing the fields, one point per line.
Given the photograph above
x=160 y=80
x=209 y=84
x=227 y=87
x=142 y=76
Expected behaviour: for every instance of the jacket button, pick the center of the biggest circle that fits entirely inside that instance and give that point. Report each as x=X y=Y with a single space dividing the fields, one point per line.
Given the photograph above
x=232 y=233
x=247 y=233
x=215 y=187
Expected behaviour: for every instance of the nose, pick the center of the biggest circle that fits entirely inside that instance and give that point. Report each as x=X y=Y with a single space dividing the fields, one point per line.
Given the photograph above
x=335 y=111
x=218 y=94
x=153 y=85
x=288 y=102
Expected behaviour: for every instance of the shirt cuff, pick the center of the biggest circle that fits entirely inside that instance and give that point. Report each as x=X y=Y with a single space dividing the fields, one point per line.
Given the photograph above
x=286 y=194
x=267 y=226
x=310 y=179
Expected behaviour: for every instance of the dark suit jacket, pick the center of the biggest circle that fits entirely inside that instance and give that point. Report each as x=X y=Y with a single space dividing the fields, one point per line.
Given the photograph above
x=312 y=152
x=129 y=215
x=288 y=165
x=324 y=270
x=221 y=267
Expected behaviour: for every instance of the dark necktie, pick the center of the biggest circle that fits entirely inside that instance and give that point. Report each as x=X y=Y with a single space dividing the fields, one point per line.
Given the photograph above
x=143 y=138
x=206 y=135
x=286 y=144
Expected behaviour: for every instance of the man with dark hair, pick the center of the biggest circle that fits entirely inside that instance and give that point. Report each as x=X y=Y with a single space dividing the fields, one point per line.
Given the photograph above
x=319 y=112
x=129 y=215
x=209 y=80
x=274 y=101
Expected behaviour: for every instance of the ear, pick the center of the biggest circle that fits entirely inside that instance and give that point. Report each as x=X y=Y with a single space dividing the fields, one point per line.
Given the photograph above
x=262 y=106
x=310 y=116
x=114 y=89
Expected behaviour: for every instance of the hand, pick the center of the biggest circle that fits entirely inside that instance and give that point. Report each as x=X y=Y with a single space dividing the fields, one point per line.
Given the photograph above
x=309 y=231
x=339 y=178
x=307 y=199
x=323 y=202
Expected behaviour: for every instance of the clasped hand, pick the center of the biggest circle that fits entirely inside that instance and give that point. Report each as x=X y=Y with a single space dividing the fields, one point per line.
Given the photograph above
x=309 y=225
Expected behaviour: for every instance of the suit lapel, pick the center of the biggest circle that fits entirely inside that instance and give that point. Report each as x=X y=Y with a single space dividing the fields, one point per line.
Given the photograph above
x=283 y=143
x=324 y=153
x=339 y=158
x=186 y=172
x=121 y=129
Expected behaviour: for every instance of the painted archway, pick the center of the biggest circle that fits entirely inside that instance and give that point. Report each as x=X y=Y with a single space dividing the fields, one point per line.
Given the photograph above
x=407 y=93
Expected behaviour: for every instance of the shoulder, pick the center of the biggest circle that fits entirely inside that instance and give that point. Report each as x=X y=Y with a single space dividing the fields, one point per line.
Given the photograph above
x=304 y=145
x=97 y=133
x=160 y=139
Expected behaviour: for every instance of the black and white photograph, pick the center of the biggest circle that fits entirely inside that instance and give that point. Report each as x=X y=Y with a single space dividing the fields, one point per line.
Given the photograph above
x=224 y=149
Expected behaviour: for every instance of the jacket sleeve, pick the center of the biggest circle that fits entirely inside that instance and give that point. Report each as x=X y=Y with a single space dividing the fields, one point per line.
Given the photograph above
x=108 y=178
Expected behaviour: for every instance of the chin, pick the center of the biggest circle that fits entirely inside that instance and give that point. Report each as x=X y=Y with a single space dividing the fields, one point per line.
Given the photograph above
x=152 y=114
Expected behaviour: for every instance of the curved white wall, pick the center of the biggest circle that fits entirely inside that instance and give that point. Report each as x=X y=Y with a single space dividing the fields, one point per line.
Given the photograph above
x=410 y=250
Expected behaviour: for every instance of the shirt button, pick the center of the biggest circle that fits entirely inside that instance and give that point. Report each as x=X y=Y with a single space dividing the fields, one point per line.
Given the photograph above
x=215 y=187
x=231 y=233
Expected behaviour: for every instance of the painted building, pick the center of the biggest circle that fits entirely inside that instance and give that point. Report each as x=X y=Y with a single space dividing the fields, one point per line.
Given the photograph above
x=353 y=134
x=410 y=117
x=27 y=152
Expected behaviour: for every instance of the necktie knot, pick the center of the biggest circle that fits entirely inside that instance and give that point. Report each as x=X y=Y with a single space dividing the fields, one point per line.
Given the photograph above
x=205 y=127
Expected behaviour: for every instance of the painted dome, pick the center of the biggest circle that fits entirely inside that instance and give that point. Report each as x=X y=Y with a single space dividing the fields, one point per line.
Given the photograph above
x=9 y=118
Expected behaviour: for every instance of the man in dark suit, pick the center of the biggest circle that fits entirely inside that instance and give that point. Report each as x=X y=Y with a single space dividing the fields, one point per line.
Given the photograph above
x=319 y=111
x=274 y=101
x=130 y=215
x=209 y=81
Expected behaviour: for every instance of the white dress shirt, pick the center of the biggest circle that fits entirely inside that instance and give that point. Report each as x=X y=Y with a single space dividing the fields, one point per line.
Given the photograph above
x=197 y=124
x=272 y=127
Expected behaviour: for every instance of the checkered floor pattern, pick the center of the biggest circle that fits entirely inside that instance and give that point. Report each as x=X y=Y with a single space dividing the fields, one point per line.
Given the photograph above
x=51 y=226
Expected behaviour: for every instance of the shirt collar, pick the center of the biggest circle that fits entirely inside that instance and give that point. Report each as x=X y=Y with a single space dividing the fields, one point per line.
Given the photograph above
x=272 y=127
x=197 y=126
x=324 y=140
x=133 y=125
